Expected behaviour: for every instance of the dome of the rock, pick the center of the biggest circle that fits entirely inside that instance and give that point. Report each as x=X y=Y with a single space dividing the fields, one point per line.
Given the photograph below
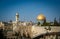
x=41 y=17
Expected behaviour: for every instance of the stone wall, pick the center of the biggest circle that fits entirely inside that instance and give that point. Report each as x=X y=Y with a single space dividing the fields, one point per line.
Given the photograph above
x=34 y=31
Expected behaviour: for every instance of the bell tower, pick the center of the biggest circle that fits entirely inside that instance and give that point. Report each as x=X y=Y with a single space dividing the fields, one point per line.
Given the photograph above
x=17 y=17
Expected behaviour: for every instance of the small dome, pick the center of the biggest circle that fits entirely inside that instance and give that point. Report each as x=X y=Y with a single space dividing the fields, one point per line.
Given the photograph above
x=41 y=17
x=17 y=14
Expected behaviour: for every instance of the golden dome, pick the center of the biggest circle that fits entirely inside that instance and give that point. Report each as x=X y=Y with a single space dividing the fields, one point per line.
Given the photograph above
x=41 y=17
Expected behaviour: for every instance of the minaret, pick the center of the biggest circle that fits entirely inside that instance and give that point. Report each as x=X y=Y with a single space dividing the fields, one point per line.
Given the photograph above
x=17 y=17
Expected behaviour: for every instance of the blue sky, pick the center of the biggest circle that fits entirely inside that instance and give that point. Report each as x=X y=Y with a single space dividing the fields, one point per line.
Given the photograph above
x=29 y=9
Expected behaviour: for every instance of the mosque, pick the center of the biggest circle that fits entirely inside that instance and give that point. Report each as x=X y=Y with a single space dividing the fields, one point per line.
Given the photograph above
x=29 y=30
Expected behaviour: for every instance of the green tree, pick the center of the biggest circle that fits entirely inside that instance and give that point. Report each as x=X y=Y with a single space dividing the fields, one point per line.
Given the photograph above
x=55 y=22
x=59 y=21
x=38 y=23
